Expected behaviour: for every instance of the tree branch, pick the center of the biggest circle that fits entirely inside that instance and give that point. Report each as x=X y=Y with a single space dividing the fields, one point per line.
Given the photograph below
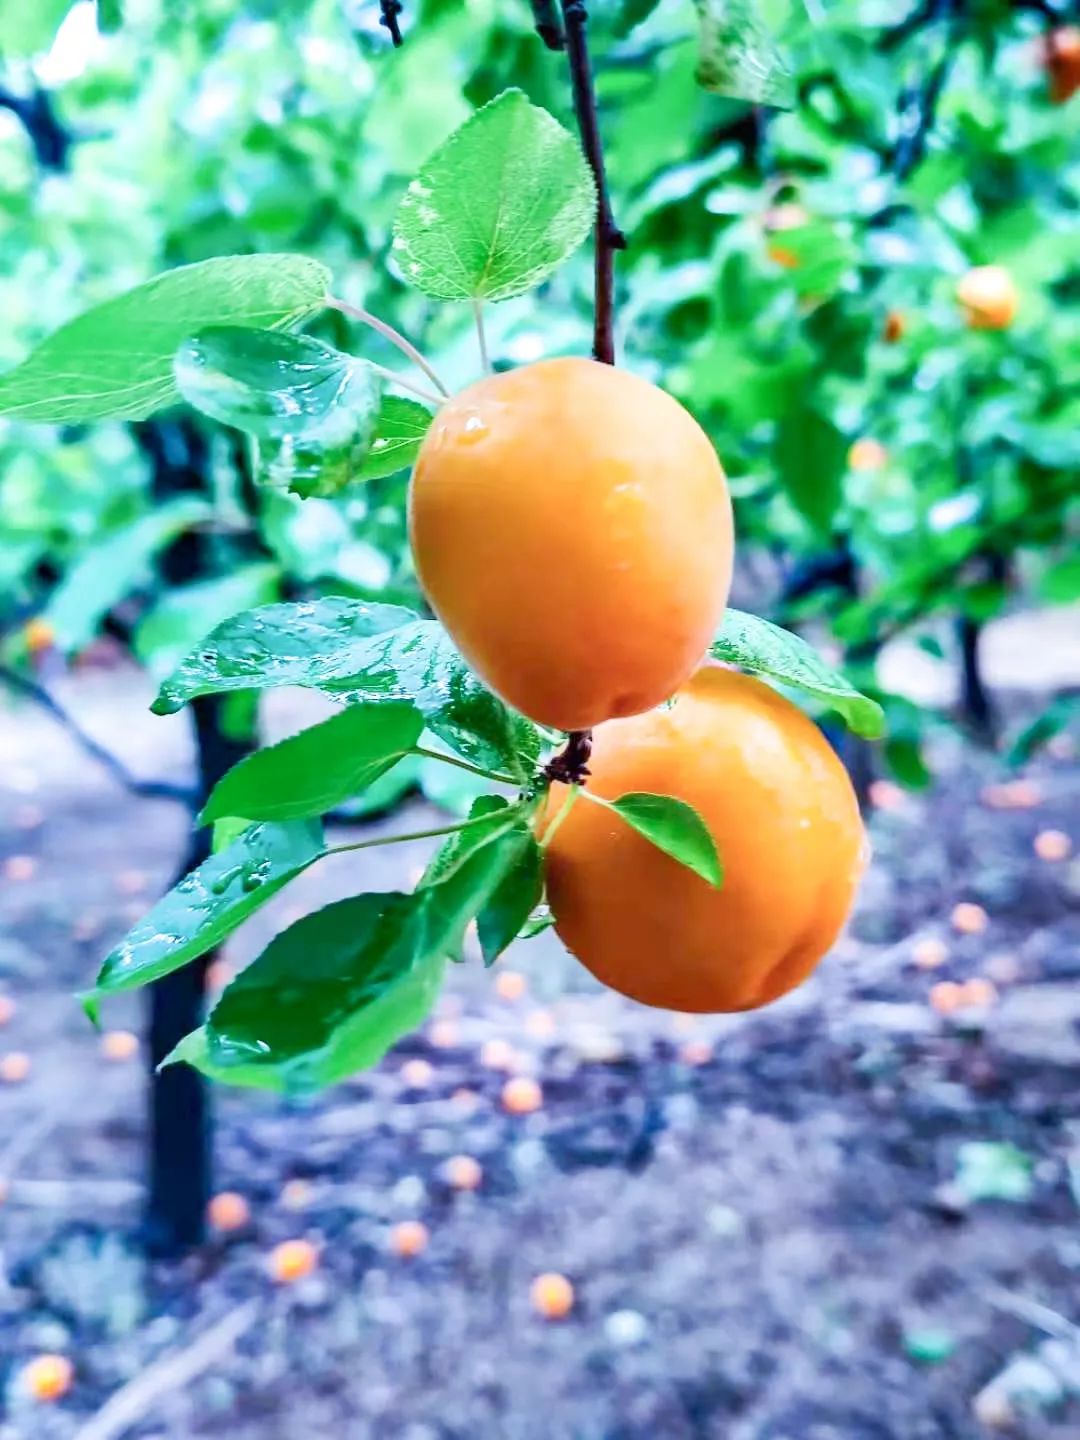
x=145 y=789
x=548 y=25
x=389 y=12
x=609 y=237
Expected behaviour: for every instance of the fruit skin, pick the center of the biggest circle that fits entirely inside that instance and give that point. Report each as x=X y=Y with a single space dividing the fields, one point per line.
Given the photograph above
x=1063 y=63
x=572 y=529
x=552 y=1295
x=988 y=293
x=785 y=820
x=48 y=1377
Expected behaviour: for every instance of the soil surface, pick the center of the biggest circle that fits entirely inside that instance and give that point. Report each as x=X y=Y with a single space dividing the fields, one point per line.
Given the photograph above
x=776 y=1225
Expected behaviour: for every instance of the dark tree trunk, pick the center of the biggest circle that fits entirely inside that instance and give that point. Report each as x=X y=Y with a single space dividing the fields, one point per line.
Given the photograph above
x=180 y=1172
x=977 y=709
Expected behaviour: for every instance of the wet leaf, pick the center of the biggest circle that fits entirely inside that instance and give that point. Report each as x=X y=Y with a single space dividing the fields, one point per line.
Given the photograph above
x=399 y=430
x=509 y=908
x=28 y=27
x=737 y=57
x=209 y=903
x=311 y=409
x=672 y=826
x=762 y=648
x=310 y=773
x=116 y=360
x=499 y=206
x=810 y=455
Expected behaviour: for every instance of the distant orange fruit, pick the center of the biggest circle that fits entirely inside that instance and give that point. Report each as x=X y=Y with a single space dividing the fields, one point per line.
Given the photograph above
x=417 y=1074
x=409 y=1238
x=571 y=528
x=1053 y=845
x=463 y=1172
x=894 y=327
x=540 y=1024
x=7 y=1009
x=465 y=1100
x=14 y=1067
x=48 y=1378
x=552 y=1295
x=20 y=868
x=296 y=1194
x=1063 y=62
x=510 y=985
x=228 y=1211
x=731 y=747
x=522 y=1095
x=497 y=1055
x=292 y=1260
x=1012 y=795
x=119 y=1045
x=979 y=992
x=696 y=1052
x=39 y=635
x=969 y=919
x=929 y=953
x=989 y=296
x=867 y=454
x=444 y=1034
x=946 y=997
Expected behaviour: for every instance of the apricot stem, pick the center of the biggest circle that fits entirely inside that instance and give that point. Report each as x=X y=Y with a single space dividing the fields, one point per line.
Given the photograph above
x=419 y=834
x=571 y=765
x=426 y=754
x=365 y=317
x=396 y=379
x=564 y=810
x=485 y=360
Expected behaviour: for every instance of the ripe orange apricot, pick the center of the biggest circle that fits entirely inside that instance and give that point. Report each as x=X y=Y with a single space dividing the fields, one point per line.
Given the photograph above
x=48 y=1378
x=1063 y=63
x=572 y=530
x=1052 y=845
x=409 y=1238
x=39 y=635
x=228 y=1211
x=118 y=1046
x=969 y=918
x=552 y=1295
x=867 y=453
x=292 y=1260
x=894 y=327
x=522 y=1095
x=463 y=1172
x=988 y=293
x=785 y=821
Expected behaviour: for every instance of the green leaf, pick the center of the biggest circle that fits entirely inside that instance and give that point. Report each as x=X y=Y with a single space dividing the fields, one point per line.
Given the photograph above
x=110 y=569
x=737 y=56
x=540 y=920
x=498 y=207
x=418 y=662
x=762 y=648
x=302 y=643
x=810 y=454
x=399 y=431
x=1060 y=584
x=209 y=903
x=28 y=27
x=116 y=360
x=312 y=772
x=489 y=815
x=226 y=831
x=110 y=15
x=312 y=409
x=185 y=614
x=672 y=826
x=332 y=993
x=508 y=910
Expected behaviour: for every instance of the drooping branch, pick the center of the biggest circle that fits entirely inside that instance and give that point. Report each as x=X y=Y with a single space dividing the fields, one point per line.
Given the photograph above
x=609 y=237
x=389 y=10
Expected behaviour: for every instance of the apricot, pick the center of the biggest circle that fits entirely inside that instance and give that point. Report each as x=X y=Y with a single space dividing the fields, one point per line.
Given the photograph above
x=228 y=1211
x=39 y=635
x=48 y=1378
x=969 y=918
x=989 y=296
x=522 y=1095
x=894 y=327
x=552 y=1295
x=572 y=529
x=1052 y=845
x=867 y=454
x=463 y=1172
x=119 y=1046
x=292 y=1260
x=409 y=1238
x=785 y=821
x=1063 y=63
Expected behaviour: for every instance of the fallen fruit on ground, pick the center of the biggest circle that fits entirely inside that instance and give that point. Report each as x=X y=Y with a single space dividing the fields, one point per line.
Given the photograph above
x=48 y=1378
x=119 y=1045
x=1052 y=845
x=463 y=1172
x=228 y=1211
x=522 y=1095
x=572 y=530
x=14 y=1067
x=409 y=1238
x=293 y=1260
x=552 y=1295
x=969 y=918
x=989 y=296
x=783 y=816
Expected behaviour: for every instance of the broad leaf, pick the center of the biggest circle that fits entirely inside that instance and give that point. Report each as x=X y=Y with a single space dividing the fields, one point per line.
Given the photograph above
x=489 y=815
x=499 y=206
x=312 y=409
x=765 y=649
x=210 y=903
x=332 y=993
x=399 y=430
x=310 y=773
x=28 y=27
x=419 y=663
x=110 y=15
x=110 y=570
x=509 y=909
x=301 y=643
x=116 y=360
x=672 y=826
x=810 y=455
x=737 y=57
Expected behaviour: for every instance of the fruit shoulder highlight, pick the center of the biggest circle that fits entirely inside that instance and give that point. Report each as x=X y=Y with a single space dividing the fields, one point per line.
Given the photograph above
x=785 y=820
x=572 y=529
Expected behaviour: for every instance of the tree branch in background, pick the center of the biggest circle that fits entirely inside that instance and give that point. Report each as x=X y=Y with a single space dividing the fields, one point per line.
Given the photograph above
x=145 y=789
x=911 y=147
x=389 y=12
x=548 y=25
x=48 y=136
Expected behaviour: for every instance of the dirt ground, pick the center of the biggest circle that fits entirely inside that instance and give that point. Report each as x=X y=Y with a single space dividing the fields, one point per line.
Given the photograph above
x=779 y=1226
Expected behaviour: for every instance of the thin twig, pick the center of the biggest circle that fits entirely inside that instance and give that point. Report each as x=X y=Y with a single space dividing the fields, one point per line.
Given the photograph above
x=388 y=16
x=146 y=789
x=395 y=337
x=428 y=396
x=126 y=1407
x=548 y=26
x=426 y=754
x=609 y=237
x=432 y=834
x=485 y=360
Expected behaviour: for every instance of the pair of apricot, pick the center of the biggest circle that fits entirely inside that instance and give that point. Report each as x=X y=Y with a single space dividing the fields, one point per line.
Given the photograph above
x=572 y=529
